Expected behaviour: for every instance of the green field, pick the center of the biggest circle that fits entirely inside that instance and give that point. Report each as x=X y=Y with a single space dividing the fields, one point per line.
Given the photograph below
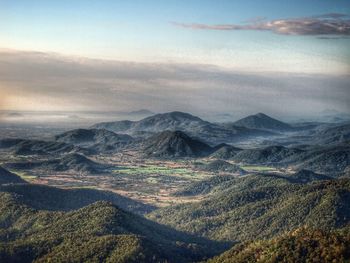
x=158 y=170
x=257 y=168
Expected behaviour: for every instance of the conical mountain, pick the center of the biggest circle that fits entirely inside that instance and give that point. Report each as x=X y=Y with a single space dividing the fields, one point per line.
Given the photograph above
x=263 y=122
x=175 y=144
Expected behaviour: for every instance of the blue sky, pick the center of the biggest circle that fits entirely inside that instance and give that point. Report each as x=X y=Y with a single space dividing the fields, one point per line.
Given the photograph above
x=302 y=46
x=142 y=31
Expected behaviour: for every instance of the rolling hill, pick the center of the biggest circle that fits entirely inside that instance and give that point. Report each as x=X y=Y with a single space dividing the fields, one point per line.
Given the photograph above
x=259 y=206
x=225 y=151
x=339 y=134
x=331 y=160
x=98 y=231
x=98 y=140
x=75 y=162
x=307 y=176
x=220 y=183
x=266 y=155
x=37 y=147
x=42 y=197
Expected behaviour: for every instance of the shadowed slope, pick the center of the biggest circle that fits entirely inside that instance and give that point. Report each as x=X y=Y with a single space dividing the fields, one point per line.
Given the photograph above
x=7 y=177
x=175 y=144
x=94 y=233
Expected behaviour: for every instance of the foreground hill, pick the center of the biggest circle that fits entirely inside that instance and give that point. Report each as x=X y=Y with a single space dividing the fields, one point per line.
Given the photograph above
x=192 y=125
x=94 y=233
x=261 y=207
x=7 y=177
x=75 y=162
x=100 y=140
x=264 y=122
x=301 y=245
x=174 y=144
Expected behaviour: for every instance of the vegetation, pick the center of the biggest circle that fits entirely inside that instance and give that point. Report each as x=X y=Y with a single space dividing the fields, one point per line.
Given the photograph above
x=251 y=207
x=225 y=151
x=267 y=155
x=301 y=245
x=100 y=231
x=50 y=198
x=330 y=160
x=96 y=140
x=73 y=161
x=257 y=168
x=36 y=147
x=153 y=169
x=175 y=144
x=290 y=204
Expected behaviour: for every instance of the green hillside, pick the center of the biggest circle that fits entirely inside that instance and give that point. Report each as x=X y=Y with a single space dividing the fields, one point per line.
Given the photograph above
x=94 y=233
x=301 y=245
x=43 y=197
x=261 y=208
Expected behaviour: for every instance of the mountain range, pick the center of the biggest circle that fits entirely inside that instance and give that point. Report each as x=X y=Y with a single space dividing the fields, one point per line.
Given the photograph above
x=258 y=189
x=194 y=126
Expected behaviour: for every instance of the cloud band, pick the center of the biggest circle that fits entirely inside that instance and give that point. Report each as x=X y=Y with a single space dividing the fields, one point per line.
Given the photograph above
x=327 y=24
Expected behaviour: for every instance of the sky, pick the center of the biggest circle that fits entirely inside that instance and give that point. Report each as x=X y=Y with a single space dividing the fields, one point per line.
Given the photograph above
x=209 y=55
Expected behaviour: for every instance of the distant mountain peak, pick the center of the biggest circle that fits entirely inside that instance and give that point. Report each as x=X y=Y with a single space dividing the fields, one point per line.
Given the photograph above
x=194 y=126
x=262 y=121
x=178 y=114
x=261 y=114
x=175 y=144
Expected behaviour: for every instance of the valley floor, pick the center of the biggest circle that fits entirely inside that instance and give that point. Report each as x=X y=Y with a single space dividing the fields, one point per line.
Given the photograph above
x=150 y=181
